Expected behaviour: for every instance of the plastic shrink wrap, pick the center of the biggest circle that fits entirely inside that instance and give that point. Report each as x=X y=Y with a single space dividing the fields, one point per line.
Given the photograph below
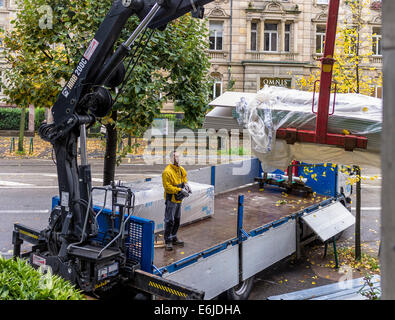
x=274 y=107
x=150 y=203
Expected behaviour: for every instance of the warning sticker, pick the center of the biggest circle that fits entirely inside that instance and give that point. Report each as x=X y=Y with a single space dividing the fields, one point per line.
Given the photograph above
x=39 y=261
x=91 y=49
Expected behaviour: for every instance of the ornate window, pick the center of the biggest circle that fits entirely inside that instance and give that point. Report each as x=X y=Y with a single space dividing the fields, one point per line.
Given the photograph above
x=216 y=35
x=254 y=36
x=376 y=41
x=217 y=88
x=271 y=37
x=287 y=38
x=377 y=92
x=320 y=39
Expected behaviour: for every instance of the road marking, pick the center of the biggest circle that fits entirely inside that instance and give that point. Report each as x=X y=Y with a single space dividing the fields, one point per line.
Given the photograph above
x=26 y=174
x=23 y=211
x=21 y=185
x=29 y=187
x=14 y=184
x=366 y=186
x=369 y=208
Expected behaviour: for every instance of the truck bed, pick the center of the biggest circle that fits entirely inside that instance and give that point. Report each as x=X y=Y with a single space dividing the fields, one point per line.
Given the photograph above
x=260 y=208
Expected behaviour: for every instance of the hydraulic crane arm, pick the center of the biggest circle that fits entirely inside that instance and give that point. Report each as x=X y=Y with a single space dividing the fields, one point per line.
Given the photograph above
x=87 y=96
x=99 y=66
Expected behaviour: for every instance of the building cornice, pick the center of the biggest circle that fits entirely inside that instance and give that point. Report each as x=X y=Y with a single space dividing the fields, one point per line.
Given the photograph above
x=273 y=7
x=267 y=62
x=217 y=12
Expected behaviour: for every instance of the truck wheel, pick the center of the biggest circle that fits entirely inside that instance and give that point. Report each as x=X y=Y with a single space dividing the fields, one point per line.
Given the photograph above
x=142 y=296
x=241 y=291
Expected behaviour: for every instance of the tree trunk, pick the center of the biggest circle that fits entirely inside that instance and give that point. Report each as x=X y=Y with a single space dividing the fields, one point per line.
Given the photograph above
x=110 y=156
x=129 y=142
x=22 y=130
x=48 y=116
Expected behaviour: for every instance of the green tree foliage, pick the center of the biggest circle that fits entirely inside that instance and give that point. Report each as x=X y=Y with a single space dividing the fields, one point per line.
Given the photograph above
x=353 y=70
x=49 y=37
x=174 y=67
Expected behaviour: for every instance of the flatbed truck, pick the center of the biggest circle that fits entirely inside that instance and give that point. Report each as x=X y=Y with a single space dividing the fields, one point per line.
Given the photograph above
x=217 y=259
x=253 y=227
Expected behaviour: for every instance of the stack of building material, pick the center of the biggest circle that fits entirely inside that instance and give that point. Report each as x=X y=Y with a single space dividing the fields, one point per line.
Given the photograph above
x=274 y=107
x=150 y=203
x=223 y=114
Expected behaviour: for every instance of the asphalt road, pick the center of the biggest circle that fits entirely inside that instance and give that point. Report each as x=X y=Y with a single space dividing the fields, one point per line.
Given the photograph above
x=27 y=187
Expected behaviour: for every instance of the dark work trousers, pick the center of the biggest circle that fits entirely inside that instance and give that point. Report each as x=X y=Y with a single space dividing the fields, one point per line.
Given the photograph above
x=172 y=220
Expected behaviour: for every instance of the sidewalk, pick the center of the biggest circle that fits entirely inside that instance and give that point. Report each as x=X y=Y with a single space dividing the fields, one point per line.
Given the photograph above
x=96 y=150
x=43 y=149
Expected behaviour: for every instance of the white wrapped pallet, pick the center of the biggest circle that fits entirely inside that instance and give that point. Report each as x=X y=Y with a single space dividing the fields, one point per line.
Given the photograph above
x=264 y=112
x=150 y=203
x=353 y=113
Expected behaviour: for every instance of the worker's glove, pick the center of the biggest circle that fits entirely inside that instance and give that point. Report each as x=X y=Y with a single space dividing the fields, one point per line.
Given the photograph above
x=188 y=188
x=181 y=195
x=184 y=192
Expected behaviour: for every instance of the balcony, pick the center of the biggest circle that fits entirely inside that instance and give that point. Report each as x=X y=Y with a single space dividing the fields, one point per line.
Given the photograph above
x=272 y=56
x=289 y=56
x=255 y=55
x=217 y=55
x=376 y=59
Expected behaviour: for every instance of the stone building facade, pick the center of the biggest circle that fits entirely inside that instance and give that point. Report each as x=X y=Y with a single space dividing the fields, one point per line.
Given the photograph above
x=259 y=42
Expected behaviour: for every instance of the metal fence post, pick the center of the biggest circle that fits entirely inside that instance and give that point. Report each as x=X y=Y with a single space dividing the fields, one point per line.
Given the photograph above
x=240 y=213
x=12 y=145
x=358 y=215
x=335 y=253
x=31 y=146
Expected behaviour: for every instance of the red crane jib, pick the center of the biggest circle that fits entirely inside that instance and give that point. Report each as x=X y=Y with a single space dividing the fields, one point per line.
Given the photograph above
x=321 y=135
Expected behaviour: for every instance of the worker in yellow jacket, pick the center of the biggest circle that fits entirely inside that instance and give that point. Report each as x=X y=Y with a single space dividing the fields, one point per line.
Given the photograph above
x=176 y=187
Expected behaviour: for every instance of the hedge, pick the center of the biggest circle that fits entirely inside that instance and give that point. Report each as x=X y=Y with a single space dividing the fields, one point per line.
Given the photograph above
x=39 y=117
x=10 y=118
x=20 y=281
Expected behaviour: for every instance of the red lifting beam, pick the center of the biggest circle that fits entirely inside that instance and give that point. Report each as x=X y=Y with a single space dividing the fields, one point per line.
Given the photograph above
x=321 y=135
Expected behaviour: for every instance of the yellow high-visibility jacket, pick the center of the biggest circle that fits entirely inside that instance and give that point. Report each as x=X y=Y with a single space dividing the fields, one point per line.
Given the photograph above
x=172 y=178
